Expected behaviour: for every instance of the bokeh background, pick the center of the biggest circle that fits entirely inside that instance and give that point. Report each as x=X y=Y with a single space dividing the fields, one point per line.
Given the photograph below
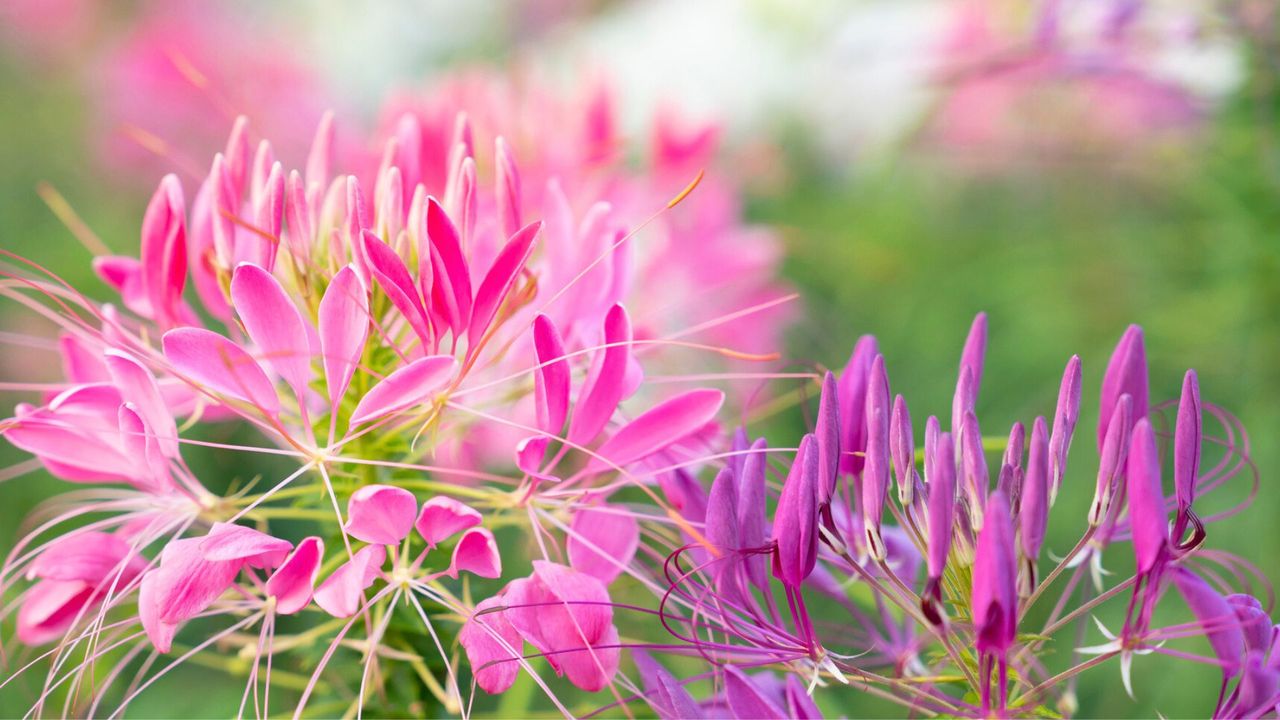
x=1069 y=166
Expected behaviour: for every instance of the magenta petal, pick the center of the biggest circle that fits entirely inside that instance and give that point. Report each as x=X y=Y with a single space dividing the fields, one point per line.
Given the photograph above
x=339 y=594
x=827 y=432
x=995 y=596
x=476 y=553
x=602 y=541
x=751 y=496
x=499 y=280
x=662 y=425
x=406 y=387
x=551 y=379
x=1033 y=509
x=381 y=514
x=1064 y=423
x=1186 y=443
x=1147 y=516
x=902 y=450
x=221 y=365
x=875 y=473
x=293 y=582
x=746 y=700
x=600 y=399
x=1215 y=615
x=164 y=251
x=344 y=326
x=229 y=543
x=488 y=637
x=1111 y=464
x=795 y=521
x=1126 y=374
x=394 y=279
x=442 y=517
x=853 y=400
x=452 y=289
x=941 y=504
x=800 y=704
x=274 y=323
x=669 y=699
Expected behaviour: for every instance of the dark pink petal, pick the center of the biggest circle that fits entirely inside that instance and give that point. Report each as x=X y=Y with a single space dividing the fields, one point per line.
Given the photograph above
x=164 y=251
x=1115 y=449
x=940 y=471
x=827 y=432
x=294 y=581
x=221 y=366
x=381 y=514
x=602 y=541
x=853 y=401
x=187 y=582
x=443 y=517
x=875 y=473
x=551 y=379
x=597 y=403
x=669 y=699
x=1064 y=424
x=800 y=704
x=1186 y=444
x=795 y=522
x=138 y=386
x=406 y=387
x=1147 y=516
x=274 y=324
x=751 y=510
x=501 y=278
x=236 y=543
x=344 y=326
x=662 y=425
x=488 y=637
x=974 y=464
x=394 y=279
x=1126 y=374
x=476 y=553
x=339 y=595
x=902 y=450
x=746 y=700
x=1033 y=509
x=995 y=596
x=1216 y=617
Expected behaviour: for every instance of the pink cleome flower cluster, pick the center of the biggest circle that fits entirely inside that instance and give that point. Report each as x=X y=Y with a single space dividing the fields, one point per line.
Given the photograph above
x=456 y=347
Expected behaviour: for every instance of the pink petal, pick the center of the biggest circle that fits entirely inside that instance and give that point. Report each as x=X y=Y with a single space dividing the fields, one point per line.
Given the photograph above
x=222 y=366
x=164 y=251
x=187 y=583
x=344 y=326
x=339 y=594
x=159 y=632
x=380 y=514
x=489 y=637
x=452 y=290
x=507 y=188
x=567 y=614
x=89 y=556
x=477 y=553
x=529 y=454
x=598 y=403
x=150 y=469
x=443 y=517
x=408 y=386
x=320 y=158
x=551 y=379
x=394 y=279
x=298 y=211
x=274 y=323
x=293 y=582
x=666 y=423
x=501 y=277
x=230 y=543
x=49 y=609
x=138 y=386
x=612 y=531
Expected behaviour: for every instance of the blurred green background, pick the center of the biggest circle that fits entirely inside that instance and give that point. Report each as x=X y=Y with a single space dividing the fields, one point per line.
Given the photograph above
x=1062 y=257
